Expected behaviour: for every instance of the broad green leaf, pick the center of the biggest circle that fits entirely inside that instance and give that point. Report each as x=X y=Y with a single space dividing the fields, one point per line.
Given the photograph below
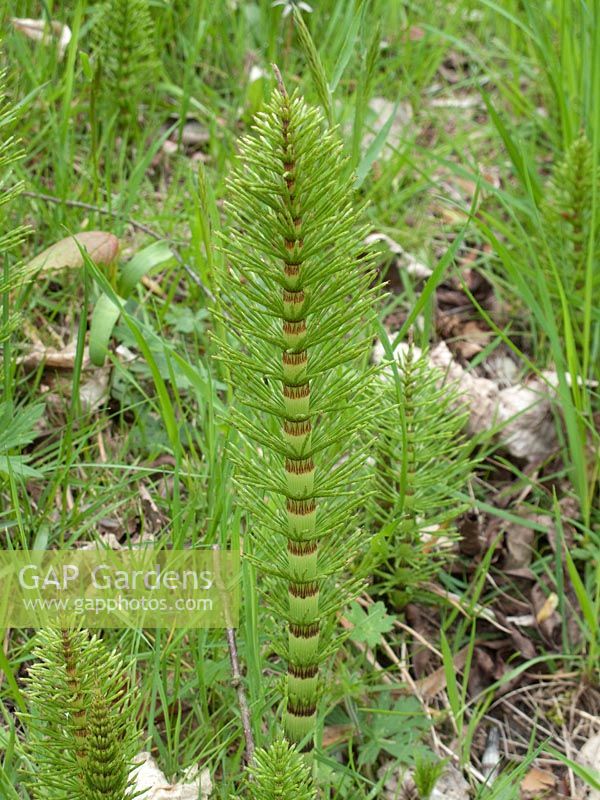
x=104 y=319
x=141 y=264
x=369 y=628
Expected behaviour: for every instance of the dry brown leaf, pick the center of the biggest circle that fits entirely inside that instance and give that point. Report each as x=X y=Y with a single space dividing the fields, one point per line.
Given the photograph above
x=336 y=734
x=546 y=616
x=54 y=358
x=406 y=262
x=436 y=682
x=109 y=541
x=194 y=134
x=519 y=546
x=537 y=780
x=523 y=411
x=415 y=33
x=93 y=392
x=102 y=248
x=40 y=31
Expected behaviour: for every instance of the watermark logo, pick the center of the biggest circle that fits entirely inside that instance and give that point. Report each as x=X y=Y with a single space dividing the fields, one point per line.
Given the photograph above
x=120 y=588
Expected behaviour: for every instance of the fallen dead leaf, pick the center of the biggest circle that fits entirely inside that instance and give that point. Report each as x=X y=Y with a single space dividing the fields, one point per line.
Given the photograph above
x=109 y=541
x=40 y=31
x=522 y=412
x=436 y=682
x=519 y=546
x=194 y=135
x=404 y=261
x=102 y=248
x=93 y=392
x=149 y=778
x=589 y=756
x=336 y=734
x=53 y=357
x=452 y=785
x=544 y=608
x=536 y=781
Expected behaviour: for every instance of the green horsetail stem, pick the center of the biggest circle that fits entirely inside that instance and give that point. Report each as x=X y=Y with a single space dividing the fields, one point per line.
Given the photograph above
x=81 y=726
x=299 y=290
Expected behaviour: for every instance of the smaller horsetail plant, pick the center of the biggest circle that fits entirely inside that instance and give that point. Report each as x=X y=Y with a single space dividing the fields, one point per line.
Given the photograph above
x=279 y=773
x=300 y=295
x=81 y=726
x=126 y=57
x=571 y=228
x=13 y=274
x=422 y=468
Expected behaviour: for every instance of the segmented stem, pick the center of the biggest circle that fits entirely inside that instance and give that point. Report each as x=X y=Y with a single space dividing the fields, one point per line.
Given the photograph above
x=301 y=507
x=299 y=287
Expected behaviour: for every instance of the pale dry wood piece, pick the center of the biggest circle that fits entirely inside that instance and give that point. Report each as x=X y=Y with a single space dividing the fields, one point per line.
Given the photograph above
x=40 y=31
x=520 y=415
x=150 y=779
x=101 y=448
x=56 y=358
x=589 y=756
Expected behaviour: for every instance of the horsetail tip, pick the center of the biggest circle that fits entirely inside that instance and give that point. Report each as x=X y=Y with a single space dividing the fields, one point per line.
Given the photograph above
x=280 y=83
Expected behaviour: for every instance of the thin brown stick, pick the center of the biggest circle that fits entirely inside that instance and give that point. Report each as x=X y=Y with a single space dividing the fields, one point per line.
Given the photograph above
x=236 y=673
x=238 y=685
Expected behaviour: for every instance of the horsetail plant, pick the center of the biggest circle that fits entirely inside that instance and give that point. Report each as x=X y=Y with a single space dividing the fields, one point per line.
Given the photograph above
x=17 y=426
x=126 y=58
x=422 y=467
x=279 y=773
x=300 y=294
x=81 y=727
